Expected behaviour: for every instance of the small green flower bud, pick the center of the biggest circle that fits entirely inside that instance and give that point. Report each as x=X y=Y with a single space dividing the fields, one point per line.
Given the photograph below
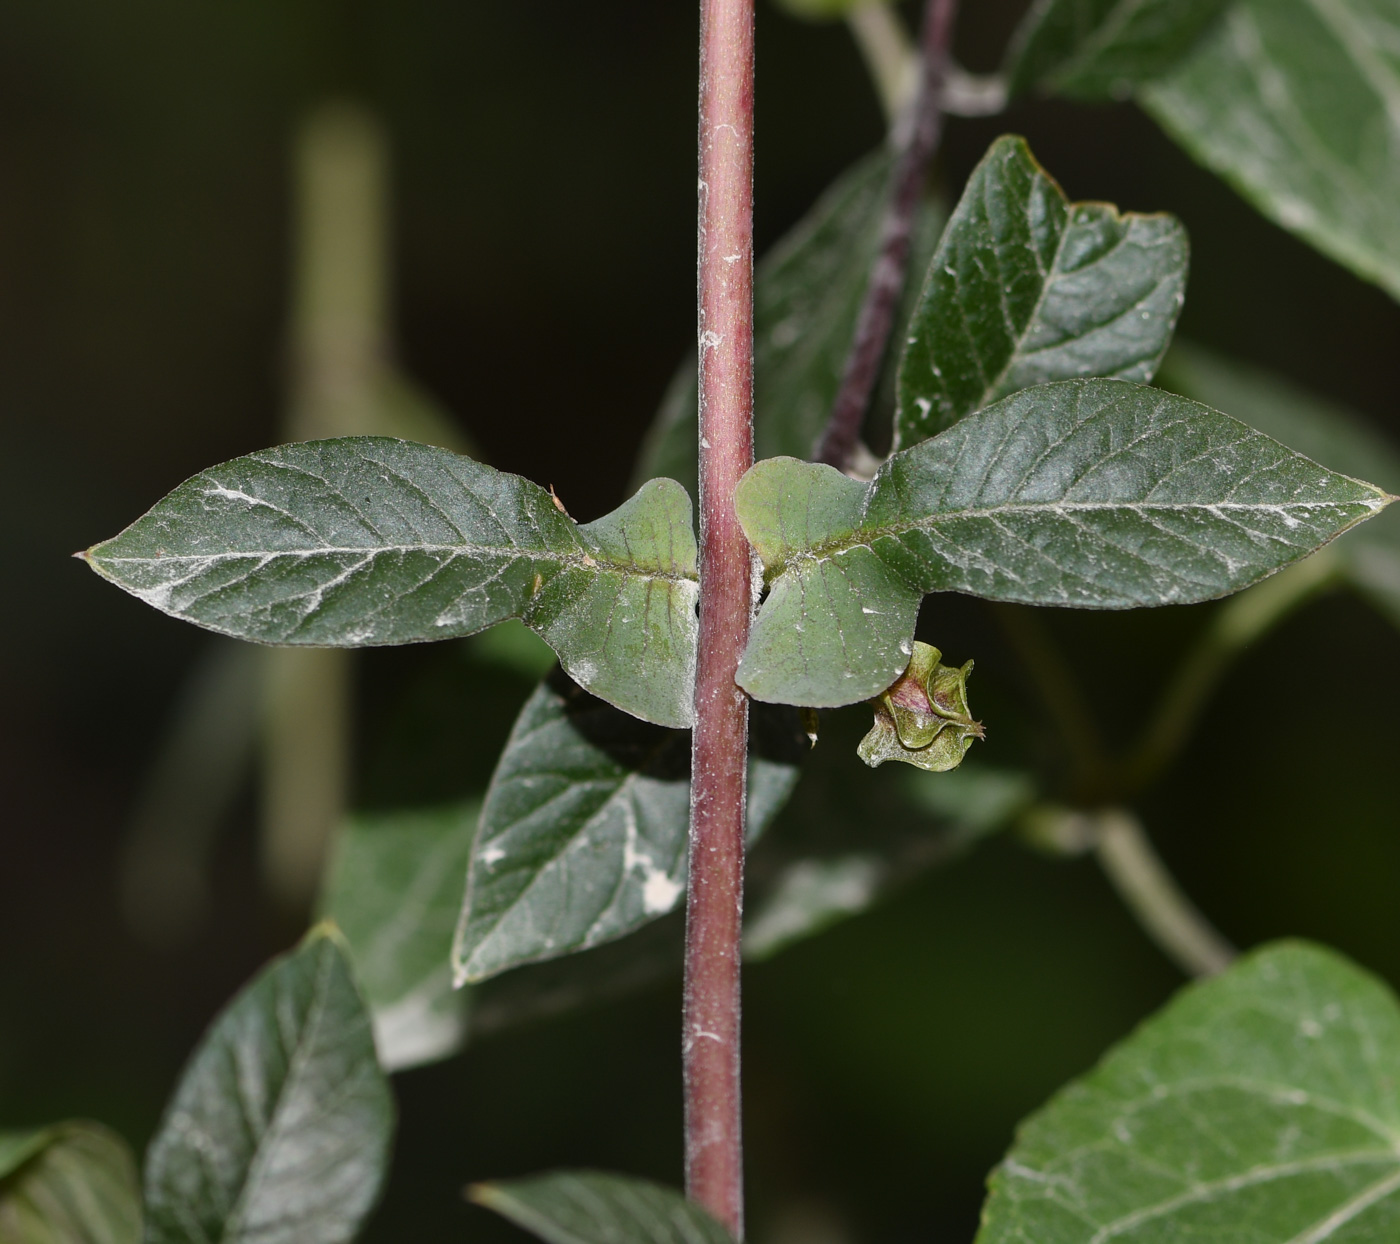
x=922 y=718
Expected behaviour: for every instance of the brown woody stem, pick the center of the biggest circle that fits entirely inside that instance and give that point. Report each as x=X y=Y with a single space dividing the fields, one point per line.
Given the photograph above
x=918 y=140
x=710 y=1039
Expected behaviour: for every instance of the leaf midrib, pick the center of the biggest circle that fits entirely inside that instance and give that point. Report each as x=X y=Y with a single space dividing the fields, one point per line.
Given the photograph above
x=829 y=549
x=580 y=560
x=272 y=1134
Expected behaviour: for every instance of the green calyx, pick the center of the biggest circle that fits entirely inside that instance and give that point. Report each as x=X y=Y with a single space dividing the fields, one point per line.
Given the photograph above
x=922 y=718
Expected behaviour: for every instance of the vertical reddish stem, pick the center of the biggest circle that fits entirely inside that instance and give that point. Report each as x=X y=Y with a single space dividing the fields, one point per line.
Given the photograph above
x=710 y=1042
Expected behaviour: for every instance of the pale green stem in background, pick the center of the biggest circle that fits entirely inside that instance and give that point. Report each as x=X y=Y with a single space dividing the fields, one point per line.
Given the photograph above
x=338 y=373
x=1153 y=896
x=893 y=61
x=1142 y=880
x=1238 y=623
x=201 y=763
x=889 y=54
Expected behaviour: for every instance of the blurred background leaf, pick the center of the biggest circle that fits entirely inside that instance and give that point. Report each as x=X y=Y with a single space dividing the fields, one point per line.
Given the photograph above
x=543 y=186
x=72 y=1183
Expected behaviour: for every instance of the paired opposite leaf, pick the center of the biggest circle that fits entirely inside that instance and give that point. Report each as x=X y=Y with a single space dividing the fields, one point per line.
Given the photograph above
x=584 y=832
x=1090 y=493
x=1297 y=104
x=1327 y=433
x=807 y=294
x=586 y=1207
x=365 y=540
x=1098 y=49
x=279 y=1131
x=1262 y=1105
x=1027 y=287
x=394 y=887
x=73 y=1183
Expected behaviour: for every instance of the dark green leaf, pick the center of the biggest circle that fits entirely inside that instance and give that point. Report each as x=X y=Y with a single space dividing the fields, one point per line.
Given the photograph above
x=1297 y=104
x=1028 y=287
x=1260 y=1106
x=583 y=836
x=586 y=1207
x=394 y=887
x=808 y=291
x=365 y=540
x=1330 y=434
x=812 y=893
x=73 y=1183
x=1089 y=493
x=279 y=1131
x=1097 y=49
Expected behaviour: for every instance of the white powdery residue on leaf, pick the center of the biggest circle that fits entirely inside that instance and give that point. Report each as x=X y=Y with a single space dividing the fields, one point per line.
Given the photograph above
x=659 y=890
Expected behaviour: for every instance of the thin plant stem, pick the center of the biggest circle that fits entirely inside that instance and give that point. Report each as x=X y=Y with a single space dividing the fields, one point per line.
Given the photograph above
x=917 y=137
x=1236 y=625
x=710 y=1033
x=888 y=52
x=1151 y=893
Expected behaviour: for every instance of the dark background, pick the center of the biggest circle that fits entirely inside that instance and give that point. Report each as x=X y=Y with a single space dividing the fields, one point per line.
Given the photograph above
x=544 y=184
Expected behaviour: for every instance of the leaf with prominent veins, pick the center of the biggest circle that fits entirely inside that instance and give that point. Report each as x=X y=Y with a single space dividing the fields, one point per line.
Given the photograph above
x=280 y=1130
x=1027 y=287
x=1296 y=103
x=584 y=832
x=366 y=540
x=1261 y=1105
x=1098 y=494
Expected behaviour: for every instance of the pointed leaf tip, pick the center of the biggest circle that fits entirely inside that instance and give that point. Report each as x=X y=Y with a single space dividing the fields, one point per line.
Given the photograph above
x=1034 y=500
x=367 y=541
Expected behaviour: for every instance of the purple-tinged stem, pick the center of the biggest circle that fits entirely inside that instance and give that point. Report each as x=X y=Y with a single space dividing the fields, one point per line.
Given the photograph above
x=919 y=133
x=710 y=1041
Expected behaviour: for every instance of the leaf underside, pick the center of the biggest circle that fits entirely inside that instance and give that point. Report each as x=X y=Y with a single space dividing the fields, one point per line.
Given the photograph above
x=1028 y=288
x=1261 y=1106
x=279 y=1131
x=365 y=540
x=1088 y=493
x=584 y=831
x=394 y=887
x=73 y=1183
x=587 y=1207
x=1101 y=49
x=1296 y=103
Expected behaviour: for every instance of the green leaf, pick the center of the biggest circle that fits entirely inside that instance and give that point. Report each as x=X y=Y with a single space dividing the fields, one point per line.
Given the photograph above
x=1296 y=103
x=394 y=887
x=1260 y=1106
x=1090 y=493
x=584 y=833
x=586 y=1207
x=807 y=295
x=1101 y=49
x=809 y=894
x=364 y=540
x=279 y=1131
x=1328 y=433
x=72 y=1183
x=1028 y=287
